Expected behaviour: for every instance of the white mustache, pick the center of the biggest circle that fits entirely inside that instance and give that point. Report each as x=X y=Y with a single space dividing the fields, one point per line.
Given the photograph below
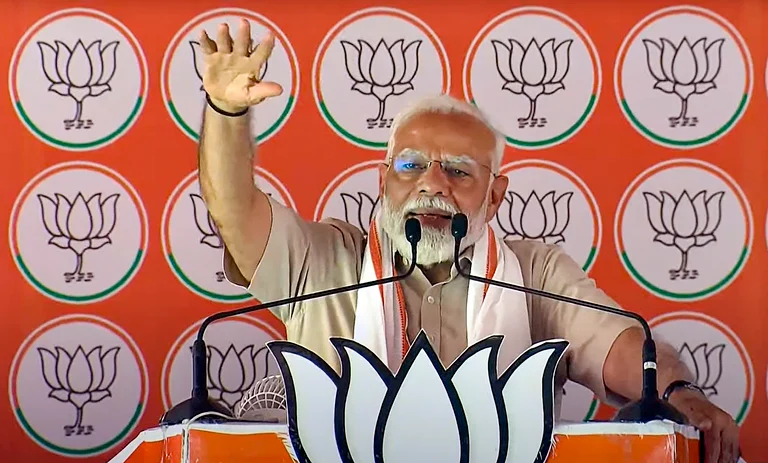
x=430 y=202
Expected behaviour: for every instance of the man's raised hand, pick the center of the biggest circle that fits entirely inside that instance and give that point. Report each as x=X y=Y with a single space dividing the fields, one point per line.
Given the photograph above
x=232 y=68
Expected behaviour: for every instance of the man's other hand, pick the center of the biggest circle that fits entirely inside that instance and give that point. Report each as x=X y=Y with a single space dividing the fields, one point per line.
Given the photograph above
x=721 y=433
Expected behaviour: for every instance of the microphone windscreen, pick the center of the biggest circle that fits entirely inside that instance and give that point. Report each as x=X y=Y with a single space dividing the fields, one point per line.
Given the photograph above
x=413 y=230
x=459 y=225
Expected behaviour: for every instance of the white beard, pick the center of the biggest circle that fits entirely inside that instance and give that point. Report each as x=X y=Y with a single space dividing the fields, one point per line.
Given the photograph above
x=436 y=245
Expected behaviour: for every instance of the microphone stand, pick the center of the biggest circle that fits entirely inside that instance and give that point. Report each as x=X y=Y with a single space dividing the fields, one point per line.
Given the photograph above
x=200 y=403
x=649 y=407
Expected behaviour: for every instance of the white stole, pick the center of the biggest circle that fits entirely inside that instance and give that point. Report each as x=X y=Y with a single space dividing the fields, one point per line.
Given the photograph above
x=380 y=317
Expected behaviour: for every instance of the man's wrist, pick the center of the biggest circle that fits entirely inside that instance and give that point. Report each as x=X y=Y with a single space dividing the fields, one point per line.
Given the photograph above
x=225 y=109
x=679 y=385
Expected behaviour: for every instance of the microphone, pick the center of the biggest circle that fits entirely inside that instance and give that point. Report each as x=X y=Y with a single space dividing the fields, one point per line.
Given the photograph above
x=200 y=403
x=650 y=407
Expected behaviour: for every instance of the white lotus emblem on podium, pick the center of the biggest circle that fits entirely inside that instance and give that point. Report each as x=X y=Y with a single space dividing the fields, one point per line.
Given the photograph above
x=463 y=414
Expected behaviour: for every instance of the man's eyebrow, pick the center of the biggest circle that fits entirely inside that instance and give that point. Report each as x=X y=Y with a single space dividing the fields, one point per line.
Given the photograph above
x=443 y=156
x=410 y=151
x=460 y=158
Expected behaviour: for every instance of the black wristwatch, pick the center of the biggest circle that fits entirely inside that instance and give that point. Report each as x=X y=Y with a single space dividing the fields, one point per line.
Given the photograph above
x=680 y=384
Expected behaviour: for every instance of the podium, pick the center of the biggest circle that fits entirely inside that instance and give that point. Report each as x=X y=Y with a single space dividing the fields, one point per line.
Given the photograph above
x=466 y=413
x=241 y=442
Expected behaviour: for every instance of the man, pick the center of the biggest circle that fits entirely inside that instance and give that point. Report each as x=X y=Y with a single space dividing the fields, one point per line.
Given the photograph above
x=443 y=158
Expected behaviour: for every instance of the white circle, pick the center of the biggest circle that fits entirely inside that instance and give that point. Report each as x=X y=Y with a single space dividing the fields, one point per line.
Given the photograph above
x=680 y=333
x=350 y=114
x=109 y=105
x=647 y=106
x=76 y=282
x=272 y=113
x=646 y=260
x=582 y=239
x=506 y=108
x=195 y=255
x=48 y=411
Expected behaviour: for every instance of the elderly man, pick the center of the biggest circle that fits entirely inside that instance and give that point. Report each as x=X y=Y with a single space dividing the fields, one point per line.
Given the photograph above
x=443 y=158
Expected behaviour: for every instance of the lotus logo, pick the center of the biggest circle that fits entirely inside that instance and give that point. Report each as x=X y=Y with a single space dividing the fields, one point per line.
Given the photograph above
x=79 y=379
x=79 y=226
x=232 y=373
x=536 y=218
x=684 y=70
x=684 y=223
x=466 y=411
x=79 y=72
x=706 y=363
x=198 y=60
x=532 y=71
x=382 y=71
x=359 y=209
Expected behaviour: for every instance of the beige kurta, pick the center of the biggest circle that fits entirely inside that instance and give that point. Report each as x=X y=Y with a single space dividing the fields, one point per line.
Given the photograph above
x=303 y=257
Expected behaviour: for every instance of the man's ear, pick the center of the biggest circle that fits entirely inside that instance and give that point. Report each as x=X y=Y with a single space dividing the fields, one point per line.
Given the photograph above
x=382 y=177
x=497 y=192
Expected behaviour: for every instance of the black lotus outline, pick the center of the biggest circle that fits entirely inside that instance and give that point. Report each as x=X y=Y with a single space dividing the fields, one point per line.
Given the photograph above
x=509 y=228
x=199 y=202
x=709 y=386
x=101 y=83
x=355 y=217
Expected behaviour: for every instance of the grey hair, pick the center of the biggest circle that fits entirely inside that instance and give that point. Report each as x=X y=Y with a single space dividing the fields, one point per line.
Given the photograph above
x=446 y=104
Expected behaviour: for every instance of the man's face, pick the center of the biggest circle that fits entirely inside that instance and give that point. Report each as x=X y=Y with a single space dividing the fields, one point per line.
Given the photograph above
x=440 y=166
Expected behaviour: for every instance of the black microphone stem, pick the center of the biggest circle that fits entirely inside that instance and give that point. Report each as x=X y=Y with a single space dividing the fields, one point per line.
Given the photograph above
x=650 y=387
x=199 y=402
x=303 y=297
x=650 y=406
x=199 y=354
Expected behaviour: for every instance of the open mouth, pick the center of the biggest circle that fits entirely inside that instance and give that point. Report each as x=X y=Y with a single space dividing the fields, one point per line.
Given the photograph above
x=431 y=214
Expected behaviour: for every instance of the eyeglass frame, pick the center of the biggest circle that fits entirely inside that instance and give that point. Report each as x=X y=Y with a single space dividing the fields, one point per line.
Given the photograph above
x=430 y=161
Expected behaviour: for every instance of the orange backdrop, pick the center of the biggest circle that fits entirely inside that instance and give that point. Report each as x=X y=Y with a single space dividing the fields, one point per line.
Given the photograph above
x=635 y=140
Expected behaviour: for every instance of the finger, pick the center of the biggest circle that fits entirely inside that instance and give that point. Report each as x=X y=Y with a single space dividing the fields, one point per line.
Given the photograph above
x=223 y=39
x=263 y=90
x=263 y=50
x=207 y=45
x=712 y=444
x=698 y=419
x=730 y=443
x=243 y=39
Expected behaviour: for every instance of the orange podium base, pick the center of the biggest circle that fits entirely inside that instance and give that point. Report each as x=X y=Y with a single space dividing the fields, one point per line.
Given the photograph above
x=242 y=442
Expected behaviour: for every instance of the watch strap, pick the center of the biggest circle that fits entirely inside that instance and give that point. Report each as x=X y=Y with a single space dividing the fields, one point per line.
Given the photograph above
x=221 y=111
x=680 y=384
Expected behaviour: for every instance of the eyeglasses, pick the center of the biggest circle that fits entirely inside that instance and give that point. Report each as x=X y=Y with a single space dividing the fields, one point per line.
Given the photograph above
x=413 y=164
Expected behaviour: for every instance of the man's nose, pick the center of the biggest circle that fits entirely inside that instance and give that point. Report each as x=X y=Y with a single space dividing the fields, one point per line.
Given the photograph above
x=434 y=181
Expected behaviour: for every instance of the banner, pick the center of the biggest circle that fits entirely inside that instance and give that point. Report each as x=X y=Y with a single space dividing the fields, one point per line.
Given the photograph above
x=635 y=140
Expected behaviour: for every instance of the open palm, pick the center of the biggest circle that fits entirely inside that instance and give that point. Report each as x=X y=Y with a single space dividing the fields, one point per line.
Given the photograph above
x=232 y=68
